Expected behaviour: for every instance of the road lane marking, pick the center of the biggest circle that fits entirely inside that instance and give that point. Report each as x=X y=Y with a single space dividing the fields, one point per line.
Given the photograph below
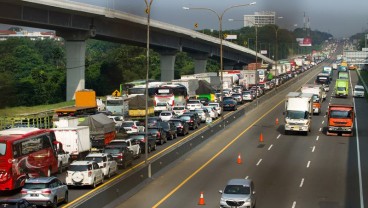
x=270 y=147
x=320 y=129
x=308 y=164
x=217 y=154
x=314 y=147
x=301 y=183
x=323 y=122
x=259 y=162
x=246 y=177
x=294 y=204
x=278 y=136
x=317 y=138
x=324 y=116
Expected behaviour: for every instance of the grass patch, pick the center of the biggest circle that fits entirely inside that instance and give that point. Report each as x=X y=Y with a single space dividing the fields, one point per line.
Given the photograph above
x=33 y=109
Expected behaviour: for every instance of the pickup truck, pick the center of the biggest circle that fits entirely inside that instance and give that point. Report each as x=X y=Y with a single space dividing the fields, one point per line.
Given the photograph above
x=132 y=145
x=162 y=106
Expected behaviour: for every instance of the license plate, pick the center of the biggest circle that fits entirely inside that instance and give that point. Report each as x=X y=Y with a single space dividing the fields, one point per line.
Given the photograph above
x=34 y=194
x=296 y=127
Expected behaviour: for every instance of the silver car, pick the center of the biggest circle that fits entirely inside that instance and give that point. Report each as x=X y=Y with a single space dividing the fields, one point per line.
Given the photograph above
x=238 y=193
x=45 y=191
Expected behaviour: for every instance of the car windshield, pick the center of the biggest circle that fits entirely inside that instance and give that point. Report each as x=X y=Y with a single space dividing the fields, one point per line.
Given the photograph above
x=112 y=150
x=79 y=167
x=341 y=88
x=165 y=114
x=237 y=189
x=178 y=108
x=35 y=185
x=97 y=159
x=152 y=131
x=139 y=137
x=184 y=118
x=161 y=104
x=356 y=89
x=296 y=114
x=127 y=124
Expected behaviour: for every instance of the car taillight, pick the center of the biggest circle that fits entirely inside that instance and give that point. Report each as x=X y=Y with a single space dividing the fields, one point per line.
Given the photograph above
x=46 y=192
x=158 y=134
x=181 y=127
x=23 y=191
x=172 y=103
x=190 y=121
x=89 y=173
x=134 y=127
x=120 y=156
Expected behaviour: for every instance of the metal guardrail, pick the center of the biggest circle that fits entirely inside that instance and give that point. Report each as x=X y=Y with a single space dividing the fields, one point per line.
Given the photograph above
x=122 y=187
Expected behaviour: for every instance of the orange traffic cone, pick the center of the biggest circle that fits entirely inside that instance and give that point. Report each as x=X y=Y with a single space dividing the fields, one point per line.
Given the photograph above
x=277 y=121
x=201 y=199
x=239 y=160
x=261 y=137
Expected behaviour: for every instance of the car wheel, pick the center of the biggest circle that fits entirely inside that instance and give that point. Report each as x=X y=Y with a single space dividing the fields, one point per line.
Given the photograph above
x=54 y=203
x=162 y=141
x=66 y=197
x=94 y=183
x=102 y=179
x=149 y=149
x=61 y=167
x=155 y=147
x=175 y=135
x=109 y=174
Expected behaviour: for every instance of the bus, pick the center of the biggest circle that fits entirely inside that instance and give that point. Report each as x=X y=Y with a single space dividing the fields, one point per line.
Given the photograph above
x=25 y=153
x=141 y=89
x=174 y=94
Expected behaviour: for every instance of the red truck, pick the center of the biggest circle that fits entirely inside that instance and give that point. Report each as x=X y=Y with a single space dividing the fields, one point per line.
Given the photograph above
x=340 y=120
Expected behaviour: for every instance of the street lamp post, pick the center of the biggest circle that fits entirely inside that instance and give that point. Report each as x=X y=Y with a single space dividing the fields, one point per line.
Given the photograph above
x=220 y=16
x=148 y=12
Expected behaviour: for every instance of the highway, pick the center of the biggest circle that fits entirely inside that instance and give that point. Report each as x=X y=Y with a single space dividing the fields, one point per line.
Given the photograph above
x=288 y=170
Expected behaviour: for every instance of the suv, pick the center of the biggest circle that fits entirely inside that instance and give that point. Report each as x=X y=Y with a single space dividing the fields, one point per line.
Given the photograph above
x=358 y=91
x=106 y=162
x=169 y=129
x=84 y=173
x=238 y=193
x=141 y=139
x=158 y=133
x=203 y=114
x=45 y=191
x=121 y=154
x=196 y=117
x=166 y=115
x=152 y=121
x=182 y=127
x=179 y=109
x=217 y=106
x=190 y=120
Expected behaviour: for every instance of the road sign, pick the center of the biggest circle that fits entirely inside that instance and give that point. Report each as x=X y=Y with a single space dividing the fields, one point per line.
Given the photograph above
x=116 y=93
x=196 y=25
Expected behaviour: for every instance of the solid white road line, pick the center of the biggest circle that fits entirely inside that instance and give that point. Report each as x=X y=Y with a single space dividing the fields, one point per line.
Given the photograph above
x=270 y=147
x=308 y=164
x=314 y=147
x=259 y=162
x=301 y=183
x=294 y=204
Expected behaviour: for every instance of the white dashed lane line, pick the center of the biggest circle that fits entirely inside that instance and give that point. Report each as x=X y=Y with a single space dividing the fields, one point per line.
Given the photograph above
x=259 y=162
x=320 y=129
x=301 y=183
x=317 y=138
x=323 y=122
x=314 y=147
x=278 y=136
x=294 y=204
x=308 y=164
x=270 y=147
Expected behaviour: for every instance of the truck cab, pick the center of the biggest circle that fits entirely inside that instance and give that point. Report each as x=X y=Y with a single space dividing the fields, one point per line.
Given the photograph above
x=298 y=112
x=342 y=88
x=340 y=120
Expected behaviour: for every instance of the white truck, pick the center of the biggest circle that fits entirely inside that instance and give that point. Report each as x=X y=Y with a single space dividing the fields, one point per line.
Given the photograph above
x=298 y=112
x=63 y=156
x=318 y=95
x=250 y=78
x=75 y=140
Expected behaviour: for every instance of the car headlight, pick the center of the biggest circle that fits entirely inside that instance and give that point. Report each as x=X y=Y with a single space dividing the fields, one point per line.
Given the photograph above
x=248 y=200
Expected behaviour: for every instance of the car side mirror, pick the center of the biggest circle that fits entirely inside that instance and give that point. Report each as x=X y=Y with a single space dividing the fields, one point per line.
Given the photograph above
x=220 y=191
x=254 y=192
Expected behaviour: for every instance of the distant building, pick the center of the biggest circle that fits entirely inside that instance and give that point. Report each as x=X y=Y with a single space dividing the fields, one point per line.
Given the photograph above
x=19 y=32
x=259 y=19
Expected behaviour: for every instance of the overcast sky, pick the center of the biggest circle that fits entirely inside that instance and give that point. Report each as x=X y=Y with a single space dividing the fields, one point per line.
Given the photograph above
x=338 y=17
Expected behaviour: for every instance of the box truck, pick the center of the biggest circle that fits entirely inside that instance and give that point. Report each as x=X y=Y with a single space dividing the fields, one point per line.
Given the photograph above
x=298 y=112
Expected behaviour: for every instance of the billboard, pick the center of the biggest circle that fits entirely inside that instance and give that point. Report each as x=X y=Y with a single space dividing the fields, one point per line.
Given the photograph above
x=307 y=41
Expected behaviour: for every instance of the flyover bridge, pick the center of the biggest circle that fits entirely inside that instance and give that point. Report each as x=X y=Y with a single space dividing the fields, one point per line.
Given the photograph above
x=76 y=22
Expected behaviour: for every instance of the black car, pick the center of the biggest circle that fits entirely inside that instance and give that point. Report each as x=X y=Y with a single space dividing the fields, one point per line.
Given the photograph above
x=182 y=127
x=152 y=121
x=169 y=129
x=196 y=116
x=190 y=120
x=141 y=138
x=16 y=203
x=121 y=154
x=158 y=133
x=230 y=105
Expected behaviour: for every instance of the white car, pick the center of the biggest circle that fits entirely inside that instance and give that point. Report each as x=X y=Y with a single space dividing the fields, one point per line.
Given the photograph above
x=132 y=127
x=179 y=110
x=217 y=107
x=84 y=173
x=118 y=120
x=106 y=162
x=166 y=115
x=212 y=111
x=358 y=91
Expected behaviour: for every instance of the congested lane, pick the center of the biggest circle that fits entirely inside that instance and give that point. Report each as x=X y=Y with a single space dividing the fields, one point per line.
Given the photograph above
x=288 y=170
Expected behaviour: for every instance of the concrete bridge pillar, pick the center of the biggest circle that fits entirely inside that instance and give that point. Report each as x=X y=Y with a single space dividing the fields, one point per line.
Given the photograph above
x=75 y=48
x=200 y=62
x=167 y=63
